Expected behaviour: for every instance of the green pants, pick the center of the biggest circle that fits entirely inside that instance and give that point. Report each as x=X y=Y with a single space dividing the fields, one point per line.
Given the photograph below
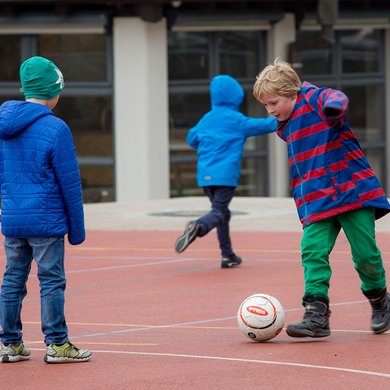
x=318 y=241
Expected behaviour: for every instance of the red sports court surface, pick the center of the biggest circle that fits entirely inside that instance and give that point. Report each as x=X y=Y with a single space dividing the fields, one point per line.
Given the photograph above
x=158 y=320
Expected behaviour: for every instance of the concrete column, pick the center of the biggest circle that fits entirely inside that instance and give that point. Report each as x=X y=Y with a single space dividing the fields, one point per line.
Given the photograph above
x=281 y=34
x=141 y=109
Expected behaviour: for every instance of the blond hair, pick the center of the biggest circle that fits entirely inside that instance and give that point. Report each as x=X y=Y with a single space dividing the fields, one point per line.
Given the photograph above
x=278 y=79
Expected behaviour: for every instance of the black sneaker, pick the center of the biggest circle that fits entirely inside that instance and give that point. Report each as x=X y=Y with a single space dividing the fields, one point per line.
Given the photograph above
x=380 y=305
x=190 y=233
x=230 y=261
x=315 y=321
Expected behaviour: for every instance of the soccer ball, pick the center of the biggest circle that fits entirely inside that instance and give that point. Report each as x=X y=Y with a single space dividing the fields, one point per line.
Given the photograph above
x=260 y=317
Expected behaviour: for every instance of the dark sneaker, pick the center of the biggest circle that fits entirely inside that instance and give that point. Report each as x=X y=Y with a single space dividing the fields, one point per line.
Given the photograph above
x=380 y=320
x=190 y=233
x=12 y=353
x=230 y=261
x=66 y=353
x=315 y=321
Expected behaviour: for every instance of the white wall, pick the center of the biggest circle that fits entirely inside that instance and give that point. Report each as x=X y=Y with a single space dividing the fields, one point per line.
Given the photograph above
x=141 y=109
x=281 y=34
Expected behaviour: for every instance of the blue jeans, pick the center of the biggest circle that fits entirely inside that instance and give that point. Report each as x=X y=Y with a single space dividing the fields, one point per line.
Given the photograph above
x=49 y=256
x=219 y=216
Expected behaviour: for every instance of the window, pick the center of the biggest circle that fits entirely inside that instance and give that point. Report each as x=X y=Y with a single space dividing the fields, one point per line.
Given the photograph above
x=354 y=64
x=85 y=103
x=239 y=53
x=90 y=119
x=80 y=57
x=188 y=56
x=194 y=58
x=10 y=47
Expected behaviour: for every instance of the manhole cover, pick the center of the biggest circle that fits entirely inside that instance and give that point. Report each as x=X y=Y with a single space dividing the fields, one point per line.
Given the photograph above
x=188 y=213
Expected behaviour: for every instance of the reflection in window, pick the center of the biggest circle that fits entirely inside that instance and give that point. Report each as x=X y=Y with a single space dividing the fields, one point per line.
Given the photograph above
x=89 y=119
x=188 y=55
x=183 y=180
x=9 y=57
x=311 y=54
x=238 y=53
x=360 y=51
x=80 y=57
x=185 y=110
x=375 y=158
x=251 y=107
x=252 y=180
x=97 y=182
x=365 y=115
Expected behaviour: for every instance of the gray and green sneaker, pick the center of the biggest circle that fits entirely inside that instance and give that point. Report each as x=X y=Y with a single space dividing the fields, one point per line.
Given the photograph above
x=11 y=353
x=66 y=353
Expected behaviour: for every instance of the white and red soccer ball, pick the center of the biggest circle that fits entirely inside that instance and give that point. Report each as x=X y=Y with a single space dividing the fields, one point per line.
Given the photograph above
x=260 y=317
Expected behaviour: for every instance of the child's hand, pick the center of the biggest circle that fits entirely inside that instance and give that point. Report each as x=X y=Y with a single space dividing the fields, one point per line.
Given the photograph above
x=332 y=112
x=334 y=117
x=335 y=107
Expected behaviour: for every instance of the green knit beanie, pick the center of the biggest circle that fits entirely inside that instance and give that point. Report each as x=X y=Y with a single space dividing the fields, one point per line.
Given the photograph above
x=40 y=78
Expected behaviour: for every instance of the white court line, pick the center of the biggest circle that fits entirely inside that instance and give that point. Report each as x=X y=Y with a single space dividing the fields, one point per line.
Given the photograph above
x=156 y=261
x=349 y=370
x=183 y=324
x=151 y=327
x=115 y=267
x=171 y=261
x=152 y=263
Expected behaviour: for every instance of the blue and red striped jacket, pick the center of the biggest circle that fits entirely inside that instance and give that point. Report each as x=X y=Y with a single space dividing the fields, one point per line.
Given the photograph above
x=329 y=173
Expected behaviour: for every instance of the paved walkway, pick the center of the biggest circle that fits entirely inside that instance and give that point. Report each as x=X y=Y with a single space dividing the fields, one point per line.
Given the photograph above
x=249 y=214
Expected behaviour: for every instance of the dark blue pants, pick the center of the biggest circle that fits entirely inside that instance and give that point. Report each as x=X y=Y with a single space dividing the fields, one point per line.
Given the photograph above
x=218 y=217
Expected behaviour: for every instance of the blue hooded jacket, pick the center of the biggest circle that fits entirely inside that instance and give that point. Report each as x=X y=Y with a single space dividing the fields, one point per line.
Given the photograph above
x=220 y=134
x=39 y=174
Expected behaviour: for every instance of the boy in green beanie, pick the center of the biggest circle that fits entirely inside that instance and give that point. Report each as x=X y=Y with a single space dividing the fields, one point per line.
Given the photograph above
x=41 y=203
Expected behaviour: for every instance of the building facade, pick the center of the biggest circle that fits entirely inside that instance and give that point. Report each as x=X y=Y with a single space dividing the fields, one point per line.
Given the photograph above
x=137 y=76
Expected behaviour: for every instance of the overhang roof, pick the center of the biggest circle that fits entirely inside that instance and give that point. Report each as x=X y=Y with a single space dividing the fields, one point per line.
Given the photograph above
x=153 y=10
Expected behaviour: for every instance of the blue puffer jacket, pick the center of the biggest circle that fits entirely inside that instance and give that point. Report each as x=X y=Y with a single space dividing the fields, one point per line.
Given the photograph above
x=39 y=175
x=220 y=134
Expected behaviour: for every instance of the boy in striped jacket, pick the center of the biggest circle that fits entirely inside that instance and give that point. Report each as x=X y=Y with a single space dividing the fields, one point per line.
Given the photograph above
x=333 y=187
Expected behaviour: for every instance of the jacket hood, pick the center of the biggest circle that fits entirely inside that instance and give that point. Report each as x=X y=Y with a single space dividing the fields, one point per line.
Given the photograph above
x=226 y=91
x=16 y=116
